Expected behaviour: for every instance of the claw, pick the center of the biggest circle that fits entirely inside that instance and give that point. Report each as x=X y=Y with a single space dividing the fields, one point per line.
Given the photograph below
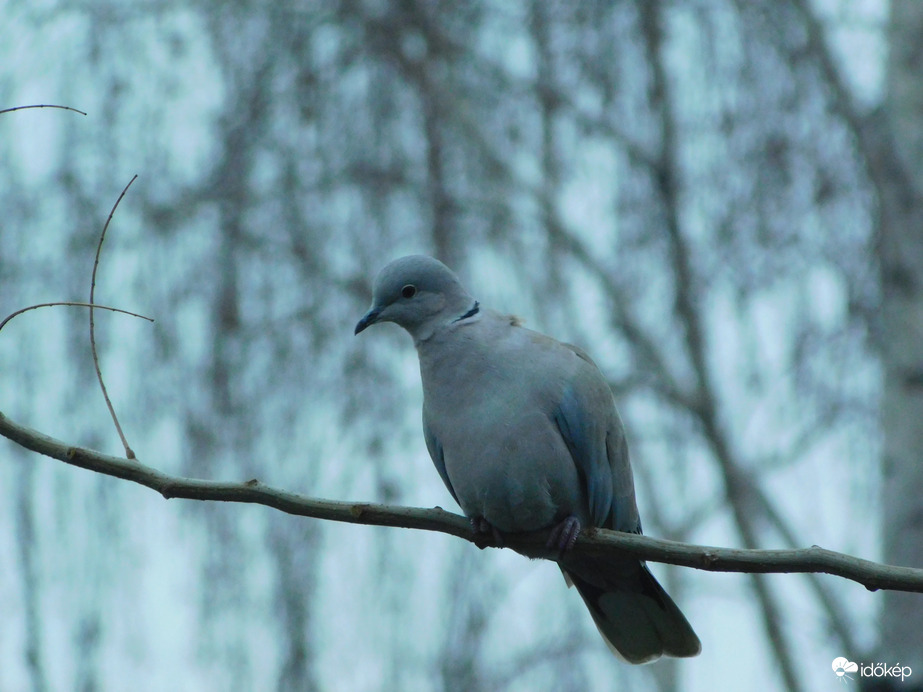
x=564 y=535
x=481 y=526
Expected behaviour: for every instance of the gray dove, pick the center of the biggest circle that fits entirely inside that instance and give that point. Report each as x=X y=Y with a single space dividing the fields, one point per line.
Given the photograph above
x=524 y=431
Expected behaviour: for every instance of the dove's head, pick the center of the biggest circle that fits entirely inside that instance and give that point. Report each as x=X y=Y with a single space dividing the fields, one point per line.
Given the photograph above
x=418 y=293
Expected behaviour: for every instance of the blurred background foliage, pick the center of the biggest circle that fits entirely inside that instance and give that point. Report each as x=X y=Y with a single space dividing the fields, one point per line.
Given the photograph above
x=709 y=196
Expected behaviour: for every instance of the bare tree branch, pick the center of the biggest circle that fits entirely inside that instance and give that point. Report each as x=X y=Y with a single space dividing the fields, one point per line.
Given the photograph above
x=599 y=542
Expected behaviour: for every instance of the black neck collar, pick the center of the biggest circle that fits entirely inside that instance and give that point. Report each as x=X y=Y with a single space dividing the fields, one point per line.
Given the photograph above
x=471 y=313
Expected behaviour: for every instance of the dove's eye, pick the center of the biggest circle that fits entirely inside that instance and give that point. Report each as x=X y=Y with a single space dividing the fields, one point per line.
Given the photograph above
x=409 y=291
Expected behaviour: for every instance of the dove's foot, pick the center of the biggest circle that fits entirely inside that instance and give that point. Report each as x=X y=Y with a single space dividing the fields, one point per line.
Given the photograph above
x=564 y=535
x=483 y=527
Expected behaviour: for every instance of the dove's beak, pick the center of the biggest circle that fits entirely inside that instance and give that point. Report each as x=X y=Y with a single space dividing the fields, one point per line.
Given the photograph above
x=370 y=318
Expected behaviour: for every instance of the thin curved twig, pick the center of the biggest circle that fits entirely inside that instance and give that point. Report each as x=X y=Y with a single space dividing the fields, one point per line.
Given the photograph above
x=599 y=542
x=40 y=105
x=72 y=304
x=99 y=375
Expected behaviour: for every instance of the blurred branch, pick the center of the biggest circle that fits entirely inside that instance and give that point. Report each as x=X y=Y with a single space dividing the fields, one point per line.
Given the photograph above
x=872 y=130
x=600 y=542
x=875 y=146
x=687 y=303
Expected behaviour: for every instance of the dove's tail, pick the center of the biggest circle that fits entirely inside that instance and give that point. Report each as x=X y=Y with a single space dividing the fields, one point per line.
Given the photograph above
x=636 y=617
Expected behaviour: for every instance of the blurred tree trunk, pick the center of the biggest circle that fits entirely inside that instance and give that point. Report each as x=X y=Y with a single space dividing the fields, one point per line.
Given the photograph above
x=901 y=257
x=31 y=585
